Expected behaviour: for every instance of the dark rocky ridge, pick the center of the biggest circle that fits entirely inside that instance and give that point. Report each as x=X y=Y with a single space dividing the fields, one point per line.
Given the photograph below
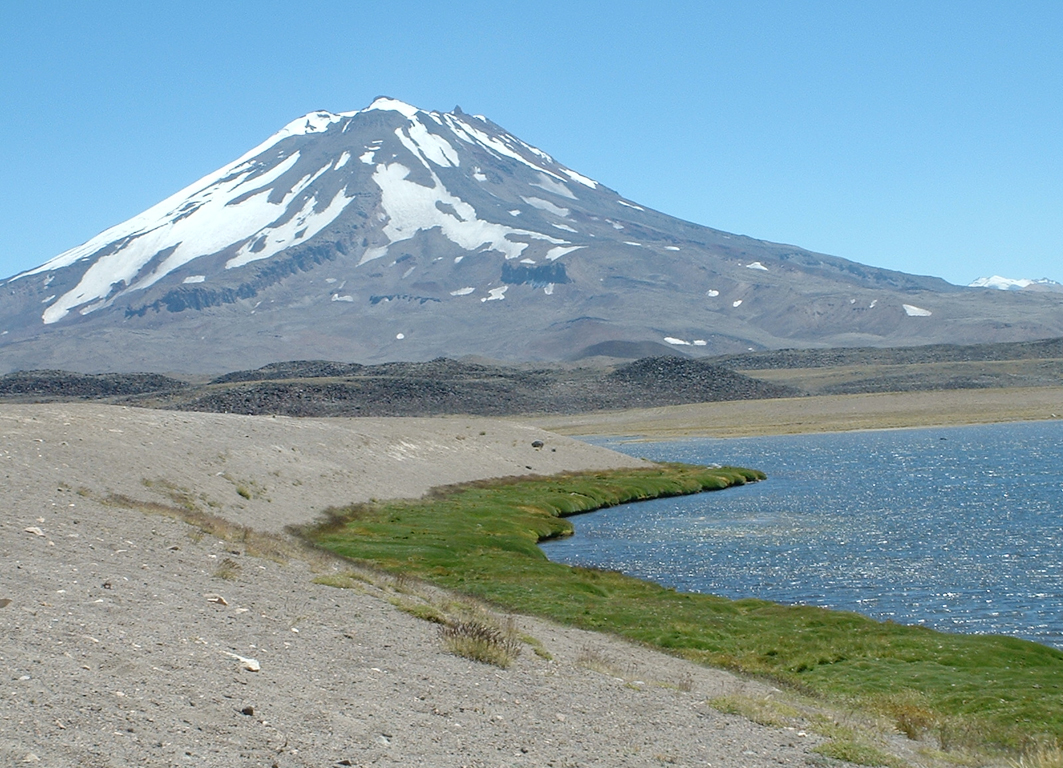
x=930 y=353
x=40 y=386
x=445 y=386
x=449 y=387
x=295 y=369
x=442 y=386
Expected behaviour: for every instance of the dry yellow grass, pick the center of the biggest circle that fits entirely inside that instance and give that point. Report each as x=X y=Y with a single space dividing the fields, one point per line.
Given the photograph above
x=824 y=413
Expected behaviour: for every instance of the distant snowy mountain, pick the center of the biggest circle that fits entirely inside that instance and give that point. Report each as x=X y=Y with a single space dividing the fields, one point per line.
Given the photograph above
x=398 y=233
x=1009 y=284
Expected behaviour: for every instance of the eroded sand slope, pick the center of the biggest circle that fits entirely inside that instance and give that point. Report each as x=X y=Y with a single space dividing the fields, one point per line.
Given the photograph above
x=116 y=650
x=290 y=468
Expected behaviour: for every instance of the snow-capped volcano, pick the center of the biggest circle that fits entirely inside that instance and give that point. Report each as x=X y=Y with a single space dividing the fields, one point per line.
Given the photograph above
x=398 y=233
x=274 y=197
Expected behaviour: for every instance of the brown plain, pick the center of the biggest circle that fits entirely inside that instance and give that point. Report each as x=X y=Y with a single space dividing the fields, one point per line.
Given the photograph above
x=823 y=413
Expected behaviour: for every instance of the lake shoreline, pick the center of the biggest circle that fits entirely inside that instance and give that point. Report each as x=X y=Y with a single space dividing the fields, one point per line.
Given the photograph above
x=830 y=484
x=482 y=540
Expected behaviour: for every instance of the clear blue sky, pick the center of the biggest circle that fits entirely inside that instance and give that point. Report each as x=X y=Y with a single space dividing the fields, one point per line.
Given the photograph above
x=920 y=136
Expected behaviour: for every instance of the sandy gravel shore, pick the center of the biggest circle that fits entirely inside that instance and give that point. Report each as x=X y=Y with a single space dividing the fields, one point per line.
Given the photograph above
x=824 y=413
x=127 y=637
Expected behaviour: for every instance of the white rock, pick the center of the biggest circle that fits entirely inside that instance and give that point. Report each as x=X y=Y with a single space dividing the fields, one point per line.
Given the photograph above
x=251 y=665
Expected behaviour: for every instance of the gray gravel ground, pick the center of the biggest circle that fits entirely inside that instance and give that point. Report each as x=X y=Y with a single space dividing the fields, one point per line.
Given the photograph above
x=123 y=645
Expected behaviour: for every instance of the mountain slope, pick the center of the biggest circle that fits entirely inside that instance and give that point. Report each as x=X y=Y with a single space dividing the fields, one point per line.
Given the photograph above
x=396 y=233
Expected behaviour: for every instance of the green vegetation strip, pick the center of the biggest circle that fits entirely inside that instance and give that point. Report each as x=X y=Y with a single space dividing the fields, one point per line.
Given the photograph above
x=481 y=539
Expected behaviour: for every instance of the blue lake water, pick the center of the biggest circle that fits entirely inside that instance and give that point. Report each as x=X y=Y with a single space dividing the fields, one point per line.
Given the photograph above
x=954 y=528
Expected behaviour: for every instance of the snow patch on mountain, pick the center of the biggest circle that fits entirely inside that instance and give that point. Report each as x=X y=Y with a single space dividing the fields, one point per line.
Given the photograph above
x=535 y=150
x=221 y=209
x=1010 y=284
x=546 y=205
x=913 y=311
x=411 y=208
x=273 y=239
x=422 y=142
x=473 y=135
x=383 y=103
x=556 y=253
x=556 y=187
x=216 y=217
x=315 y=122
x=580 y=178
x=1000 y=283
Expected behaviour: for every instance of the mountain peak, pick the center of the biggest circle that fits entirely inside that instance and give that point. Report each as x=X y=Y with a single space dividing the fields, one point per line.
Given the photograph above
x=312 y=122
x=394 y=105
x=368 y=236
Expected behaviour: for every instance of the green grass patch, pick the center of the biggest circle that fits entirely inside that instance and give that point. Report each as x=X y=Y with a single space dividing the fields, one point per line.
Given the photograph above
x=421 y=610
x=857 y=753
x=537 y=647
x=763 y=710
x=481 y=539
x=347 y=580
